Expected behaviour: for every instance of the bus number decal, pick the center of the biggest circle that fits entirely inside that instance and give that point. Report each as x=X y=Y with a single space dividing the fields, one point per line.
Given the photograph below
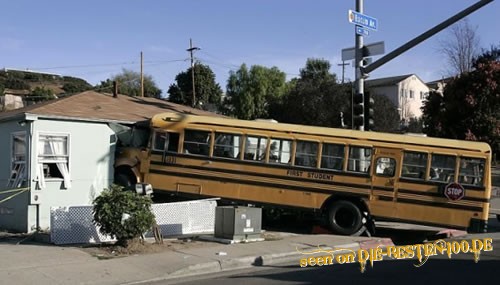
x=170 y=159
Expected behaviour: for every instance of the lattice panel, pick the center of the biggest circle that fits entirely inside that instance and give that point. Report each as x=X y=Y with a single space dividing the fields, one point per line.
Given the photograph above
x=70 y=225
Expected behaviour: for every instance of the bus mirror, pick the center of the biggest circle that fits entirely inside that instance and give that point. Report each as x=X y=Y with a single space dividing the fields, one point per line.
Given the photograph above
x=143 y=189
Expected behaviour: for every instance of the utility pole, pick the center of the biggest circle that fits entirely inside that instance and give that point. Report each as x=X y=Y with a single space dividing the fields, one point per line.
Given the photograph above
x=343 y=64
x=190 y=50
x=359 y=80
x=142 y=76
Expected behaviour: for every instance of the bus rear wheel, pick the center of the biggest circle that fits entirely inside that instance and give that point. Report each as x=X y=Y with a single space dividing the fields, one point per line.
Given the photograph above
x=344 y=217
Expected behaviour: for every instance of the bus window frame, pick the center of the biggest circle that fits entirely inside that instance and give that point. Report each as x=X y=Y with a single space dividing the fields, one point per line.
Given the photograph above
x=427 y=166
x=291 y=152
x=459 y=166
x=210 y=143
x=296 y=142
x=212 y=149
x=363 y=173
x=257 y=157
x=455 y=169
x=345 y=156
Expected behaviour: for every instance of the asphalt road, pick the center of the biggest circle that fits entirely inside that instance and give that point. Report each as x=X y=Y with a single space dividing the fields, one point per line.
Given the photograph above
x=460 y=269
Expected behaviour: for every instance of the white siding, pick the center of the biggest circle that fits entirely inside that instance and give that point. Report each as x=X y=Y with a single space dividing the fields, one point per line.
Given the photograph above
x=91 y=158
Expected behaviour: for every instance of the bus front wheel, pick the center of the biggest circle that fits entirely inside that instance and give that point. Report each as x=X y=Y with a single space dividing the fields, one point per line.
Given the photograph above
x=345 y=218
x=124 y=177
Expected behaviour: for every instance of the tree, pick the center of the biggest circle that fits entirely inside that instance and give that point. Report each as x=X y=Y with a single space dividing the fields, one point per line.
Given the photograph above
x=208 y=92
x=250 y=93
x=470 y=105
x=124 y=215
x=315 y=98
x=129 y=83
x=386 y=114
x=460 y=48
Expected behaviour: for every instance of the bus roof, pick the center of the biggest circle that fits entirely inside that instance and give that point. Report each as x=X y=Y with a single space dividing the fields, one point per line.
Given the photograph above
x=163 y=120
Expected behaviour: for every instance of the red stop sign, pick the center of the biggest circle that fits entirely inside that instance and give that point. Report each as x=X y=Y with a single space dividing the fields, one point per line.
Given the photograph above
x=454 y=191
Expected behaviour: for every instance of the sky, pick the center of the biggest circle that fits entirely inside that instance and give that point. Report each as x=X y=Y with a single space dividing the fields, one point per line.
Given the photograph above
x=97 y=39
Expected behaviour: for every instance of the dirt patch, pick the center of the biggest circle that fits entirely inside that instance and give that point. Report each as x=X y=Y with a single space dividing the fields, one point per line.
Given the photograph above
x=107 y=251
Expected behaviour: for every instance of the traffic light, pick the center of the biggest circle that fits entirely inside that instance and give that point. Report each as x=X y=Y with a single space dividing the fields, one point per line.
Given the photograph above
x=358 y=110
x=369 y=112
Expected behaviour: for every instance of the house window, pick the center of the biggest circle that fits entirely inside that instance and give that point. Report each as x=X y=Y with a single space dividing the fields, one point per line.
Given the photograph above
x=412 y=94
x=18 y=160
x=422 y=95
x=53 y=159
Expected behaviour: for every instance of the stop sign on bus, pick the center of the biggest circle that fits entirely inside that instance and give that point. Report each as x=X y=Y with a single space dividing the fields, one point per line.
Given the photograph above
x=454 y=191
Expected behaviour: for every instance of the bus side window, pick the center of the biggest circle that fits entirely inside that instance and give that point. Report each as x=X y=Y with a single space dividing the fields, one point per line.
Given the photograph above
x=414 y=165
x=471 y=171
x=442 y=168
x=159 y=140
x=255 y=148
x=359 y=159
x=196 y=142
x=332 y=156
x=173 y=142
x=305 y=154
x=227 y=145
x=280 y=151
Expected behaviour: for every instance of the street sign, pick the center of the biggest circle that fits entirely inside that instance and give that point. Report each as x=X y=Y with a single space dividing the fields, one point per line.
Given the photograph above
x=454 y=191
x=369 y=50
x=363 y=20
x=362 y=31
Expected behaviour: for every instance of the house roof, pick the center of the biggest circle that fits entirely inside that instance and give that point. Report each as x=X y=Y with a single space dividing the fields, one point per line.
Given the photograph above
x=94 y=106
x=387 y=81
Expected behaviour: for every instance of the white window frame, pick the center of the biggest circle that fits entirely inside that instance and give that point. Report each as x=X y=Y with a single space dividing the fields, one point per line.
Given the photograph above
x=17 y=181
x=40 y=175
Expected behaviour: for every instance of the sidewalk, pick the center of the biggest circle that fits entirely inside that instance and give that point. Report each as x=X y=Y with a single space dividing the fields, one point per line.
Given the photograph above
x=48 y=264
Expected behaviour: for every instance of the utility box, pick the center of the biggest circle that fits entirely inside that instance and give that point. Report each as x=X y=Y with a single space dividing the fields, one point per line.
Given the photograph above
x=238 y=223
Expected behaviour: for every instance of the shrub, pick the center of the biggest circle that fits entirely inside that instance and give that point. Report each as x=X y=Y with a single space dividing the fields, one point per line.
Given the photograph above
x=113 y=204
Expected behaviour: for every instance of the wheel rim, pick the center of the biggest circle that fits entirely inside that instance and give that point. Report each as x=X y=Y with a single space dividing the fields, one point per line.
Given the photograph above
x=345 y=218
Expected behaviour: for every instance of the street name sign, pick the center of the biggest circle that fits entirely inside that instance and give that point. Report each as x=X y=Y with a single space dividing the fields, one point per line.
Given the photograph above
x=362 y=31
x=363 y=20
x=369 y=50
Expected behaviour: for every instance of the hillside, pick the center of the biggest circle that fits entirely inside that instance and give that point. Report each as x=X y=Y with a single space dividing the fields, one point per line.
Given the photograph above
x=35 y=87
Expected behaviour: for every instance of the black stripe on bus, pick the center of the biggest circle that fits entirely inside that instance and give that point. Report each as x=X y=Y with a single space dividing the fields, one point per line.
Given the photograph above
x=440 y=204
x=434 y=194
x=382 y=188
x=263 y=184
x=440 y=183
x=266 y=175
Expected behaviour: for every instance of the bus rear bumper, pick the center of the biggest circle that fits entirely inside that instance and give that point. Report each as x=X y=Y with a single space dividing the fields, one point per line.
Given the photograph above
x=477 y=226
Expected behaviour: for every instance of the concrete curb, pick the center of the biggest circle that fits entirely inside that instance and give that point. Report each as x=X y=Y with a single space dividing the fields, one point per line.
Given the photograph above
x=257 y=261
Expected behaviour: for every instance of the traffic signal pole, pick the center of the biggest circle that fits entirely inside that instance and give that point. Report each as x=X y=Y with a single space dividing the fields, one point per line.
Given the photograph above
x=358 y=61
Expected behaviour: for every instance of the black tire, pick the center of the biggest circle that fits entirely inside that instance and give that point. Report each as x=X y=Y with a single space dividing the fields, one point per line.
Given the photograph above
x=344 y=217
x=124 y=178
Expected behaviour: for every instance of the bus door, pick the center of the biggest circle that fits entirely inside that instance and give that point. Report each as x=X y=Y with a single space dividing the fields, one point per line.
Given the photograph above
x=385 y=172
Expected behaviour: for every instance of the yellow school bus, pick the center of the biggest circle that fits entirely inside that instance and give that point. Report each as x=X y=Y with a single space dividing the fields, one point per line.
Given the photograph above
x=348 y=177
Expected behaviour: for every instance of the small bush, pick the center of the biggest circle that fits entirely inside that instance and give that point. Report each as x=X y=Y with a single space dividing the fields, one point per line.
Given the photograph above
x=110 y=207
